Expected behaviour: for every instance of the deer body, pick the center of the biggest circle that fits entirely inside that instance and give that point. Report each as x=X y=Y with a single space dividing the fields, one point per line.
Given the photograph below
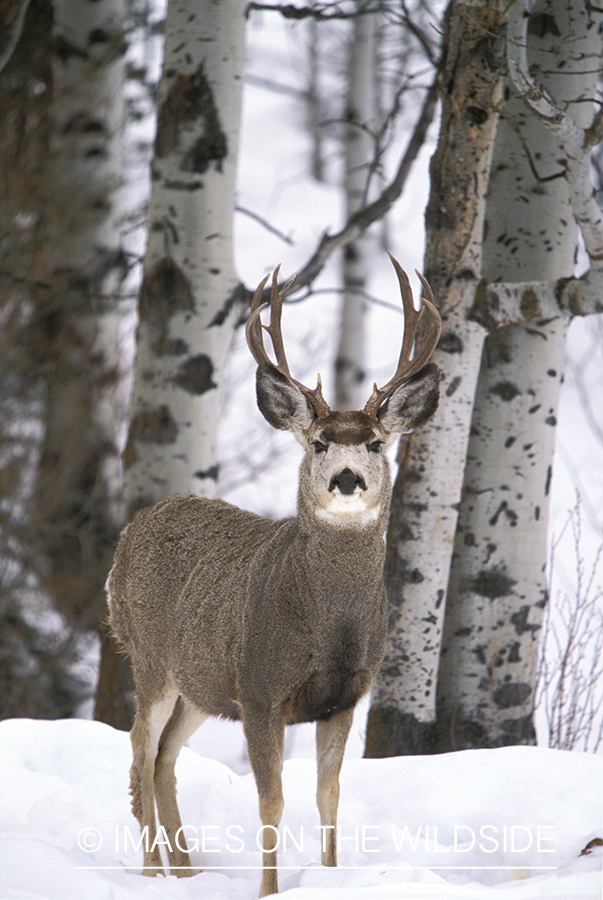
x=226 y=613
x=315 y=617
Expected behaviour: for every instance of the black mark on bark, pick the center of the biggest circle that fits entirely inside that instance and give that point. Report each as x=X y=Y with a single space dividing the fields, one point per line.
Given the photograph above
x=520 y=621
x=453 y=386
x=195 y=375
x=518 y=731
x=529 y=304
x=165 y=292
x=190 y=104
x=492 y=583
x=412 y=576
x=152 y=426
x=511 y=695
x=479 y=651
x=450 y=343
x=510 y=515
x=541 y=24
x=547 y=484
x=238 y=296
x=475 y=115
x=506 y=390
x=213 y=473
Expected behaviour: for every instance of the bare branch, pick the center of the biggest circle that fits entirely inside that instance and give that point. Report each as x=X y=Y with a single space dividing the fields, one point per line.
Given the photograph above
x=418 y=32
x=322 y=12
x=265 y=224
x=360 y=220
x=364 y=217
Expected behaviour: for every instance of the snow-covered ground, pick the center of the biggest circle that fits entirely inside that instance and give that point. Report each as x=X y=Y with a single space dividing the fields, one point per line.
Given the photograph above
x=506 y=824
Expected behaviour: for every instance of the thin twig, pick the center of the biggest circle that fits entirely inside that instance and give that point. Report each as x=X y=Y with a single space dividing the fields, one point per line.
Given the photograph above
x=265 y=224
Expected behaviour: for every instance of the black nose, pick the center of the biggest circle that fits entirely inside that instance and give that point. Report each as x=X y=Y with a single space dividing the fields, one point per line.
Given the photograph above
x=347 y=481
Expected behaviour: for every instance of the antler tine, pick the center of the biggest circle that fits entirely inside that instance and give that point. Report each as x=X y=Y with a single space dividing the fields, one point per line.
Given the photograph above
x=255 y=340
x=434 y=323
x=407 y=367
x=274 y=329
x=253 y=328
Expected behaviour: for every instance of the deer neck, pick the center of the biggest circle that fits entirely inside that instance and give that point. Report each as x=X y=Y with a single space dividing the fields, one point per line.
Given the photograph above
x=342 y=567
x=364 y=526
x=343 y=554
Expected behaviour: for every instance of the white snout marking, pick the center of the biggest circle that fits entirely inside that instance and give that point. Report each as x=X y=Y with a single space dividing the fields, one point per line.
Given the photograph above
x=349 y=509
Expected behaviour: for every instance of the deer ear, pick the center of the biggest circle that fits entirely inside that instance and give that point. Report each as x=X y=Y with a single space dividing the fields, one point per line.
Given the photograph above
x=413 y=403
x=281 y=402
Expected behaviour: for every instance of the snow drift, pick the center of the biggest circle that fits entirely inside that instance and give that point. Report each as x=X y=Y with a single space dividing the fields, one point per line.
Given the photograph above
x=507 y=823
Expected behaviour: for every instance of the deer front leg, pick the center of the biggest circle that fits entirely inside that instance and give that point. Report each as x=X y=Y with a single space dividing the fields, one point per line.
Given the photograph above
x=331 y=737
x=265 y=747
x=149 y=723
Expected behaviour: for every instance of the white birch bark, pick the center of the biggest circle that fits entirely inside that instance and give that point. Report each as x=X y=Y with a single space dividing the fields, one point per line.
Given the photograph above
x=63 y=114
x=428 y=488
x=497 y=587
x=190 y=297
x=401 y=712
x=86 y=172
x=76 y=318
x=361 y=121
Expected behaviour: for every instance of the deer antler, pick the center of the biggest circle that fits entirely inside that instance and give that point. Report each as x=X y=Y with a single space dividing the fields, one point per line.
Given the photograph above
x=407 y=367
x=255 y=340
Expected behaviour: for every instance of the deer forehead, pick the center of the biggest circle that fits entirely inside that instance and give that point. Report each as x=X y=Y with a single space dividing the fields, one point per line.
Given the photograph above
x=347 y=428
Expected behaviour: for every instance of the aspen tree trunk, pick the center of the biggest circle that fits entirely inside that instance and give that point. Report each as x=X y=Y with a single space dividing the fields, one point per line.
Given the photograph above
x=497 y=586
x=313 y=95
x=76 y=321
x=62 y=114
x=190 y=298
x=61 y=231
x=25 y=130
x=496 y=708
x=361 y=119
x=428 y=488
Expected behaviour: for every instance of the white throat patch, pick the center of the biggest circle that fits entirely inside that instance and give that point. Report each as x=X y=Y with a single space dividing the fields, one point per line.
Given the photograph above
x=349 y=511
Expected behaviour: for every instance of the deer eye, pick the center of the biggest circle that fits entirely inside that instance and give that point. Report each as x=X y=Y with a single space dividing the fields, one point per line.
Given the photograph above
x=374 y=446
x=319 y=447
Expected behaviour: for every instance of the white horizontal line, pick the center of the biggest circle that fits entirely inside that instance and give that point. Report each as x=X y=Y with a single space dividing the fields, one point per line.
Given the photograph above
x=384 y=868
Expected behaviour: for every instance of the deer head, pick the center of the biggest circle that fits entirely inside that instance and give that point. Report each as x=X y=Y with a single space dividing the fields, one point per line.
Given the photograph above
x=344 y=477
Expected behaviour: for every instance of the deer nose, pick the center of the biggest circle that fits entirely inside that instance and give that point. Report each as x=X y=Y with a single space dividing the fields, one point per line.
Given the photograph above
x=347 y=481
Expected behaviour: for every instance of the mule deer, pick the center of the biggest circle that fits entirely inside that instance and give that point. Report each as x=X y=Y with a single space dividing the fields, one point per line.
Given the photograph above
x=225 y=613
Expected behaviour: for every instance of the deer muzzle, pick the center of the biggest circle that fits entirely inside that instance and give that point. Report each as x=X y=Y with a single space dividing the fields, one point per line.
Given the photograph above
x=347 y=482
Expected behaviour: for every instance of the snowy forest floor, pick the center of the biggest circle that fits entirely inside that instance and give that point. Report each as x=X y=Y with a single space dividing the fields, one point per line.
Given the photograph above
x=483 y=824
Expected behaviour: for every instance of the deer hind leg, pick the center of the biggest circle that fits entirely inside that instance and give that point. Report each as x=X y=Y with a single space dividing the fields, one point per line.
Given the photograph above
x=185 y=720
x=265 y=747
x=331 y=737
x=151 y=718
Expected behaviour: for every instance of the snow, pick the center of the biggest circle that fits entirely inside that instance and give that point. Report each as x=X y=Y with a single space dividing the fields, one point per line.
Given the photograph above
x=509 y=823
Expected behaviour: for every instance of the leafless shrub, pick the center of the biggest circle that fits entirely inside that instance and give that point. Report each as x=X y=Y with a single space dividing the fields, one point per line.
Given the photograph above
x=569 y=690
